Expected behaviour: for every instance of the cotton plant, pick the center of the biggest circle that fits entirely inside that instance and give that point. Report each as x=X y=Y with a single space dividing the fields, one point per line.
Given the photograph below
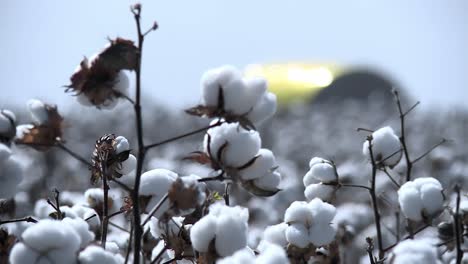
x=236 y=152
x=421 y=199
x=321 y=181
x=221 y=232
x=415 y=251
x=51 y=241
x=386 y=147
x=95 y=254
x=227 y=94
x=309 y=224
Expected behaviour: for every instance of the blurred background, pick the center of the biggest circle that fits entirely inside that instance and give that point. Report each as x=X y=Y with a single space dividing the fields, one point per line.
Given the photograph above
x=414 y=45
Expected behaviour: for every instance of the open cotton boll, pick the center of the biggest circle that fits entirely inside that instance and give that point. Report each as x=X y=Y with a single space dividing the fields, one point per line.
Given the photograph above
x=264 y=163
x=271 y=254
x=94 y=196
x=84 y=212
x=243 y=256
x=38 y=111
x=214 y=79
x=156 y=183
x=298 y=211
x=319 y=190
x=385 y=143
x=242 y=145
x=421 y=197
x=264 y=109
x=414 y=251
x=121 y=144
x=10 y=177
x=82 y=229
x=320 y=172
x=322 y=213
x=56 y=241
x=321 y=235
x=276 y=234
x=21 y=130
x=269 y=181
x=94 y=254
x=298 y=235
x=219 y=209
x=122 y=83
x=128 y=165
x=231 y=234
x=203 y=232
x=172 y=229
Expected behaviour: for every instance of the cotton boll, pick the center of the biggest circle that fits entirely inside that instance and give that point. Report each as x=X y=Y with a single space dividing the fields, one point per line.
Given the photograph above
x=276 y=234
x=319 y=190
x=38 y=111
x=231 y=235
x=321 y=235
x=384 y=144
x=172 y=228
x=323 y=172
x=268 y=182
x=236 y=97
x=215 y=79
x=21 y=130
x=95 y=254
x=243 y=256
x=156 y=183
x=121 y=144
x=410 y=202
x=322 y=213
x=264 y=109
x=414 y=251
x=264 y=162
x=432 y=198
x=128 y=165
x=84 y=212
x=81 y=228
x=299 y=212
x=219 y=209
x=203 y=232
x=271 y=254
x=94 y=196
x=297 y=234
x=242 y=145
x=20 y=253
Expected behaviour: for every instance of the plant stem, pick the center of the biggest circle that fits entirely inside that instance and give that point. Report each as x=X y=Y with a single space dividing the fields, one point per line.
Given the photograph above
x=354 y=186
x=159 y=255
x=73 y=154
x=458 y=232
x=27 y=219
x=105 y=210
x=181 y=136
x=374 y=201
x=138 y=231
x=129 y=246
x=409 y=164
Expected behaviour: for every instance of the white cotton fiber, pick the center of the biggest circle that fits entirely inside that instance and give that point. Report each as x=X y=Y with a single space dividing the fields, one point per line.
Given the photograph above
x=385 y=143
x=298 y=235
x=276 y=234
x=38 y=111
x=264 y=163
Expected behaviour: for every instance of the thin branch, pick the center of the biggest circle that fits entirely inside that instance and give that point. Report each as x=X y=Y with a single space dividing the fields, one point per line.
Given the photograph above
x=374 y=201
x=159 y=254
x=409 y=164
x=391 y=178
x=359 y=129
x=226 y=193
x=220 y=177
x=155 y=209
x=138 y=231
x=118 y=227
x=73 y=154
x=27 y=219
x=407 y=237
x=105 y=211
x=430 y=150
x=411 y=108
x=121 y=185
x=354 y=186
x=203 y=129
x=458 y=228
x=90 y=217
x=369 y=249
x=129 y=246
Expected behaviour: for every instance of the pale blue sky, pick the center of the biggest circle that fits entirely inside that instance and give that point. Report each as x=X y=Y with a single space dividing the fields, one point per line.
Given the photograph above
x=421 y=44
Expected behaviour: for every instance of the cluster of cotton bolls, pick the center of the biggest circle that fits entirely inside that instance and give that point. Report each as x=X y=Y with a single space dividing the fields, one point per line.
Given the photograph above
x=415 y=251
x=226 y=227
x=238 y=152
x=321 y=181
x=310 y=223
x=421 y=198
x=386 y=147
x=268 y=254
x=225 y=88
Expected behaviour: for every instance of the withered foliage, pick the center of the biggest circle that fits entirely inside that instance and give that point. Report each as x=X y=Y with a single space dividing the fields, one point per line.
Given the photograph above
x=6 y=243
x=183 y=197
x=219 y=112
x=96 y=79
x=106 y=162
x=43 y=136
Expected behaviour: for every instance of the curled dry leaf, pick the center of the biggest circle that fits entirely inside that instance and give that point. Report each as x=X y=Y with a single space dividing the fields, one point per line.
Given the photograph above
x=183 y=197
x=43 y=136
x=106 y=161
